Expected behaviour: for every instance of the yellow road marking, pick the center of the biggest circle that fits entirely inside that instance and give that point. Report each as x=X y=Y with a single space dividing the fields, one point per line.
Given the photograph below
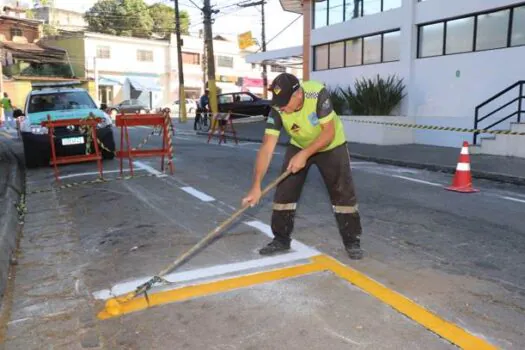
x=215 y=287
x=434 y=323
x=402 y=304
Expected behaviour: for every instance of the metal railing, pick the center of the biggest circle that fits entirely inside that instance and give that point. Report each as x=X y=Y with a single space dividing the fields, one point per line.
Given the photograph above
x=477 y=119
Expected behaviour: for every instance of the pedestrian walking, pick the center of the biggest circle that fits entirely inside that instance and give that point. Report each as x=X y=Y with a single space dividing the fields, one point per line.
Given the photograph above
x=8 y=110
x=317 y=136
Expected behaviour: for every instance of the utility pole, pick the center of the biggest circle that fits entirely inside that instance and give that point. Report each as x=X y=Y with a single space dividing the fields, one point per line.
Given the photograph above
x=208 y=38
x=95 y=73
x=263 y=44
x=182 y=94
x=203 y=61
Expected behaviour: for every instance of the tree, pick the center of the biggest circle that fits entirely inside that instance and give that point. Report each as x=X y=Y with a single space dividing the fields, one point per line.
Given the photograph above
x=164 y=19
x=120 y=17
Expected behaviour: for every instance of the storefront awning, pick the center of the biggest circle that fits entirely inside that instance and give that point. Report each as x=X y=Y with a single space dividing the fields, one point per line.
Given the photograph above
x=106 y=81
x=144 y=84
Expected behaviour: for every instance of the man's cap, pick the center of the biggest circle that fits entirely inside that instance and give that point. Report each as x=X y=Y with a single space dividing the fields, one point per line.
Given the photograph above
x=282 y=88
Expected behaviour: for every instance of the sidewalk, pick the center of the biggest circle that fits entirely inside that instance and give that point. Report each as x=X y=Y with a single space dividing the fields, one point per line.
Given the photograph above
x=434 y=158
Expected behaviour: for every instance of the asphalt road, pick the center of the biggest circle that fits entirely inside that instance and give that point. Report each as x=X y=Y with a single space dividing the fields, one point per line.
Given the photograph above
x=460 y=256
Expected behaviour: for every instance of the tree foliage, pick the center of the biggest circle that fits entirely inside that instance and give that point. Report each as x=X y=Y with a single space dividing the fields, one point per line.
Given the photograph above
x=133 y=18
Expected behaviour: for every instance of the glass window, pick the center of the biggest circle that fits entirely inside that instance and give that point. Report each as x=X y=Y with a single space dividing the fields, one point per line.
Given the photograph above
x=391 y=48
x=352 y=9
x=391 y=4
x=320 y=14
x=353 y=52
x=337 y=55
x=321 y=57
x=518 y=27
x=492 y=30
x=460 y=35
x=372 y=49
x=431 y=40
x=336 y=11
x=371 y=6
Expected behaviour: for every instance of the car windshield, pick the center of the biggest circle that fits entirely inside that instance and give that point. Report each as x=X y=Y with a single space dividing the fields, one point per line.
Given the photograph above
x=59 y=101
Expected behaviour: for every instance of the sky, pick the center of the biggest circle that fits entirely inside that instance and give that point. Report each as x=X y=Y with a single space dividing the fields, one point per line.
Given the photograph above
x=231 y=20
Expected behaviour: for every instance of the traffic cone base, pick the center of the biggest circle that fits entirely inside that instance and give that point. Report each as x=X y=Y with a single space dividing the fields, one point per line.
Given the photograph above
x=462 y=181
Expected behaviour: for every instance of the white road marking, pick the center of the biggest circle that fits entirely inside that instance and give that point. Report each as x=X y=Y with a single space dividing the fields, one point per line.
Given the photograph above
x=206 y=272
x=267 y=230
x=196 y=193
x=149 y=169
x=513 y=199
x=93 y=173
x=417 y=180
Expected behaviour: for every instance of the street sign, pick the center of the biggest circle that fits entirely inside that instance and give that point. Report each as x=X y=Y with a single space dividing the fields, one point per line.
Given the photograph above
x=245 y=40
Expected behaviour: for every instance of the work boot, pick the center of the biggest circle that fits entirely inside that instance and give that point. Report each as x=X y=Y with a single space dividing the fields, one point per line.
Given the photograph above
x=354 y=250
x=273 y=247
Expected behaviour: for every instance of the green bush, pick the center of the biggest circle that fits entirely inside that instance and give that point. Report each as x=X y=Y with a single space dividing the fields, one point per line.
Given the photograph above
x=338 y=100
x=374 y=97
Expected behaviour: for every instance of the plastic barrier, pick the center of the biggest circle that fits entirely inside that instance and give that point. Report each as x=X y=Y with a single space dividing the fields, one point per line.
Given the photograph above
x=224 y=120
x=89 y=137
x=128 y=120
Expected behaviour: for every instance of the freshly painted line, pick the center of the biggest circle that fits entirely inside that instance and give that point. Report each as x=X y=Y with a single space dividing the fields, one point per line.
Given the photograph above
x=429 y=320
x=189 y=292
x=267 y=230
x=149 y=169
x=196 y=193
x=93 y=173
x=416 y=180
x=206 y=272
x=514 y=199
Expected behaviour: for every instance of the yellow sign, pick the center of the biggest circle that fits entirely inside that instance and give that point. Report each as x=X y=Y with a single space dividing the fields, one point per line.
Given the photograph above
x=245 y=40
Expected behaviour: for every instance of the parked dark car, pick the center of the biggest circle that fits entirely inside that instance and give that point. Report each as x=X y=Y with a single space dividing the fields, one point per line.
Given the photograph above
x=243 y=104
x=128 y=106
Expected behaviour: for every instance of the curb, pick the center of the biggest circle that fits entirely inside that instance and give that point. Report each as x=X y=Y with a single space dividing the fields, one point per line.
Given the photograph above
x=510 y=179
x=9 y=214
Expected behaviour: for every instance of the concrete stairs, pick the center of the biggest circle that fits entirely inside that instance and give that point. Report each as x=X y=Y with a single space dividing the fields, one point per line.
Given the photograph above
x=502 y=145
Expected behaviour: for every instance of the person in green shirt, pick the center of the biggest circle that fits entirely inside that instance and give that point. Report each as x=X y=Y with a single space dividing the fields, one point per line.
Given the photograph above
x=304 y=110
x=8 y=109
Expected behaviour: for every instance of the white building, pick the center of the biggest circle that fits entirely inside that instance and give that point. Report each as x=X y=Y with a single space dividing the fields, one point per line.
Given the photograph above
x=453 y=55
x=147 y=69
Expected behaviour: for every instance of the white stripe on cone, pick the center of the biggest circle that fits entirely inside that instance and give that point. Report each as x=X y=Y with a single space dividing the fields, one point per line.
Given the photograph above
x=463 y=167
x=464 y=150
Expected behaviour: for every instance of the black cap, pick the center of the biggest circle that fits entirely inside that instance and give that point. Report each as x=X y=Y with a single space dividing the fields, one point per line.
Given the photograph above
x=282 y=88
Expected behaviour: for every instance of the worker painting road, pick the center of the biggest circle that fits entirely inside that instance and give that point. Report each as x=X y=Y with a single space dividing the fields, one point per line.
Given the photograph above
x=440 y=269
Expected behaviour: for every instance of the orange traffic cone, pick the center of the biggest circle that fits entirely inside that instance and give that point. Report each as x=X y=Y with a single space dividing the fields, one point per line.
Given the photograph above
x=463 y=179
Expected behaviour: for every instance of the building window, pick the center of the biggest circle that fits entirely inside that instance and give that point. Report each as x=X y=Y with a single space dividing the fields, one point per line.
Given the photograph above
x=391 y=46
x=16 y=32
x=191 y=58
x=431 y=39
x=329 y=12
x=383 y=47
x=352 y=9
x=476 y=32
x=518 y=27
x=391 y=4
x=460 y=35
x=336 y=13
x=354 y=52
x=337 y=55
x=225 y=61
x=320 y=14
x=321 y=57
x=371 y=7
x=492 y=30
x=144 y=56
x=103 y=52
x=372 y=49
